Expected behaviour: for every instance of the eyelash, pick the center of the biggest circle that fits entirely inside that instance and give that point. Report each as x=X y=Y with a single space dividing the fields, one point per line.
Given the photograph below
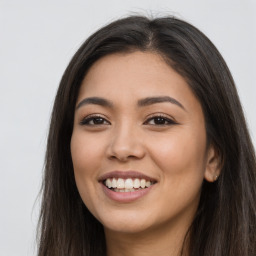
x=161 y=118
x=88 y=119
x=102 y=121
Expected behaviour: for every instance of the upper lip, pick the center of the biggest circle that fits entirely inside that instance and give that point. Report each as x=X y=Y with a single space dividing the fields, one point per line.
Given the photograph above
x=125 y=175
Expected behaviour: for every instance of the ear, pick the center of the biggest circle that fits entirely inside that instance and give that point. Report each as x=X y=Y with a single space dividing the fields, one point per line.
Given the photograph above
x=213 y=164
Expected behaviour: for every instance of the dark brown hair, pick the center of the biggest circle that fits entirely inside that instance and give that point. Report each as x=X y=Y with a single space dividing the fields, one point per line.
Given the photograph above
x=225 y=223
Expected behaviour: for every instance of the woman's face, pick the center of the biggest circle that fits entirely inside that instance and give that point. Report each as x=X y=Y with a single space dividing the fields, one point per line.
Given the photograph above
x=139 y=144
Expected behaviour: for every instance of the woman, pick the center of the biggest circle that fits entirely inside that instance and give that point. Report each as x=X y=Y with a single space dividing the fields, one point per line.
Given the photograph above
x=148 y=151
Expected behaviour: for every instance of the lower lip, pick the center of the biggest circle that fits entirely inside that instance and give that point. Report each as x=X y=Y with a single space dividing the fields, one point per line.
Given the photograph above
x=126 y=197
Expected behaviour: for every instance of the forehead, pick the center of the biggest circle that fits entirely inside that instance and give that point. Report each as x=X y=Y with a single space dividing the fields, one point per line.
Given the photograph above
x=135 y=75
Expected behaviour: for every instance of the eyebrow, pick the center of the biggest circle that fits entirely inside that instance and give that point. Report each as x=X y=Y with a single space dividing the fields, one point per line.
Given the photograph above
x=141 y=103
x=154 y=100
x=96 y=101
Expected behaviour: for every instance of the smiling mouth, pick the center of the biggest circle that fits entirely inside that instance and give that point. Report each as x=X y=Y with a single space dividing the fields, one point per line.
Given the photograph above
x=127 y=184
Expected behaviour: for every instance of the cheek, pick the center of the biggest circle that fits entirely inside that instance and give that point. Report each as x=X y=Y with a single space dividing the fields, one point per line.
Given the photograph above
x=181 y=154
x=85 y=152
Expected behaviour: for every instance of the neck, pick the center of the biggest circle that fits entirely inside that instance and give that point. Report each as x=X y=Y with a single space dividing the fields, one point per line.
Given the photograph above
x=162 y=241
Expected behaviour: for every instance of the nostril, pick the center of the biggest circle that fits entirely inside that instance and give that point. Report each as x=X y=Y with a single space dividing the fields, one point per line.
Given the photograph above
x=125 y=146
x=125 y=154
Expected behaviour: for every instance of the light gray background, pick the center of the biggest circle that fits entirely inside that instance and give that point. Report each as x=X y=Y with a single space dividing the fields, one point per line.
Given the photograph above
x=37 y=40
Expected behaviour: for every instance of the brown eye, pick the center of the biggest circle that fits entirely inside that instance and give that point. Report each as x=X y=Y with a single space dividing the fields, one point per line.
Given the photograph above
x=160 y=120
x=94 y=120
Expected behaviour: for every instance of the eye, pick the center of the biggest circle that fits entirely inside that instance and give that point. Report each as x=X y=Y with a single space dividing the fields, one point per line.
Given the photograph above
x=94 y=120
x=160 y=120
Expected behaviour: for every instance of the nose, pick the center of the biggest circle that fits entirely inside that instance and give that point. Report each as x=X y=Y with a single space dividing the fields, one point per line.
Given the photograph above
x=126 y=143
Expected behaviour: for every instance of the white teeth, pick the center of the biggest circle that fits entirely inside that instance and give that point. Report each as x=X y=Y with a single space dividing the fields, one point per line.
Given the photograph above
x=108 y=183
x=120 y=183
x=127 y=185
x=124 y=190
x=136 y=183
x=143 y=183
x=114 y=185
x=148 y=183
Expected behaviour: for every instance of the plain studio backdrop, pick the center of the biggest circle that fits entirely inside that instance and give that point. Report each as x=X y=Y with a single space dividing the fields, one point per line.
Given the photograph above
x=37 y=40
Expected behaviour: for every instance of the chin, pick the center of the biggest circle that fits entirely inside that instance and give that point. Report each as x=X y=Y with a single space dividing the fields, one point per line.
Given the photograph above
x=126 y=228
x=127 y=223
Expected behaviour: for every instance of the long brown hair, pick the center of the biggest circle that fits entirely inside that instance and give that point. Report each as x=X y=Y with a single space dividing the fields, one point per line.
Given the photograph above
x=225 y=223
